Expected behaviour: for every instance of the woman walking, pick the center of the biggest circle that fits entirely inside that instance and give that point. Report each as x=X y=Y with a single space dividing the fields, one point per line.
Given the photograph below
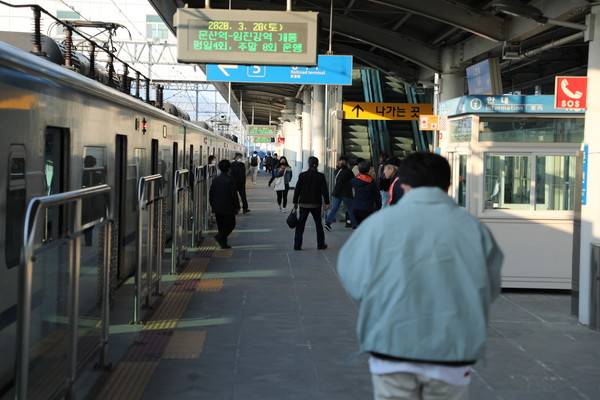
x=283 y=177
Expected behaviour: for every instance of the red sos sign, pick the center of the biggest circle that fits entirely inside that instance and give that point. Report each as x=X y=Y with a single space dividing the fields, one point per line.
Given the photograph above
x=570 y=92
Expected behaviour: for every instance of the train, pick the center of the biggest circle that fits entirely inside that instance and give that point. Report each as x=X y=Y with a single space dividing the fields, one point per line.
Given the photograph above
x=63 y=131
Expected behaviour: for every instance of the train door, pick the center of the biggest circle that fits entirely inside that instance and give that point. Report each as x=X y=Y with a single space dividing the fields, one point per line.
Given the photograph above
x=120 y=192
x=154 y=157
x=175 y=156
x=56 y=169
x=191 y=167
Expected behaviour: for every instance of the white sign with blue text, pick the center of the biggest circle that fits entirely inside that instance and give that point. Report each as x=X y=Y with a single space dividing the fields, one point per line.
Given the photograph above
x=331 y=70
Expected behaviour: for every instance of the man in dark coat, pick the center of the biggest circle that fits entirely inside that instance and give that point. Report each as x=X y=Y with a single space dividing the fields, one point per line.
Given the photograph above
x=224 y=202
x=310 y=193
x=238 y=171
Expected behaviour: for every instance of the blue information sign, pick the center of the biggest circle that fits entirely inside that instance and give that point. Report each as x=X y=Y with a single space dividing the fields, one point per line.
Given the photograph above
x=331 y=70
x=502 y=105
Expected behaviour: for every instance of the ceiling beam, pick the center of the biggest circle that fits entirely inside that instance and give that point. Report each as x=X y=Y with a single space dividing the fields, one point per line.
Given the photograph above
x=395 y=43
x=468 y=19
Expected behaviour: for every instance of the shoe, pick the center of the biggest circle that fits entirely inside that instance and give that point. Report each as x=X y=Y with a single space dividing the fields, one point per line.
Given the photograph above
x=254 y=183
x=348 y=225
x=218 y=242
x=225 y=246
x=328 y=226
x=322 y=246
x=282 y=209
x=246 y=211
x=297 y=248
x=354 y=227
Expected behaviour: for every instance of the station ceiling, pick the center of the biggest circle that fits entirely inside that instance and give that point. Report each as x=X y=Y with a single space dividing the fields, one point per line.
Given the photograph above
x=411 y=40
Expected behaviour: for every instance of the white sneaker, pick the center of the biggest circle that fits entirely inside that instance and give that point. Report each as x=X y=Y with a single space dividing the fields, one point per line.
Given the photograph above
x=282 y=209
x=254 y=183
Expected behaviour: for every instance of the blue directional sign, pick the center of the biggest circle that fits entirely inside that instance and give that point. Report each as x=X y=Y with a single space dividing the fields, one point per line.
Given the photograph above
x=331 y=70
x=502 y=105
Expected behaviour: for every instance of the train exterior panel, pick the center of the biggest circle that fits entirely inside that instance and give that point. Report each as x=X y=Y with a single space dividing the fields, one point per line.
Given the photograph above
x=62 y=131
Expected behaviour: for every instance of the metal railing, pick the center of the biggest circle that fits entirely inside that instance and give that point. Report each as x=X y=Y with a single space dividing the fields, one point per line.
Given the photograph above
x=150 y=206
x=179 y=231
x=65 y=211
x=210 y=174
x=198 y=205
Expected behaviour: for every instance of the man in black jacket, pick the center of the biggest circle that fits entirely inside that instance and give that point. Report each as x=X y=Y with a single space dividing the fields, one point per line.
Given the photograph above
x=238 y=171
x=224 y=202
x=342 y=192
x=310 y=193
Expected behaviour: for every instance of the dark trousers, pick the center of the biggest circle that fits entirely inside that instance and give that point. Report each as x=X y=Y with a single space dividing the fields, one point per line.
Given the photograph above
x=242 y=193
x=361 y=215
x=302 y=217
x=282 y=195
x=225 y=225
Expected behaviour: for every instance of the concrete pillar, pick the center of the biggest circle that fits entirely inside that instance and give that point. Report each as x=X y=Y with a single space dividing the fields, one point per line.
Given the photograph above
x=590 y=212
x=318 y=124
x=306 y=126
x=451 y=85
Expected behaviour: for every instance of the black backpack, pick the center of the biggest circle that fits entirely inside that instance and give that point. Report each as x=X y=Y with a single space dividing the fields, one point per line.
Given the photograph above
x=254 y=161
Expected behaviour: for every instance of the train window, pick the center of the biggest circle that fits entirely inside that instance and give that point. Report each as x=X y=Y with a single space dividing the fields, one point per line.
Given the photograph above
x=141 y=162
x=165 y=169
x=94 y=166
x=15 y=205
x=200 y=160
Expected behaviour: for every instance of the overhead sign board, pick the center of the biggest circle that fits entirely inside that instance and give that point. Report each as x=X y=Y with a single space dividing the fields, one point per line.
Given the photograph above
x=484 y=77
x=207 y=35
x=570 y=92
x=258 y=139
x=262 y=130
x=331 y=70
x=387 y=111
x=502 y=105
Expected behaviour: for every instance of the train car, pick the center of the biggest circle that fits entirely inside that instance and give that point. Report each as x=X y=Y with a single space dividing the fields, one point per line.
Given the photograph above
x=63 y=131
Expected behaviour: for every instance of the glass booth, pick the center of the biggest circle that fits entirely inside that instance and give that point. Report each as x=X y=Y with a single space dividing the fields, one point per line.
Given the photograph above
x=513 y=164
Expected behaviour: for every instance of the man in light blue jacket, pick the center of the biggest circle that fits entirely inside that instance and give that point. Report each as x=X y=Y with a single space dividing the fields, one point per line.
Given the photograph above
x=425 y=283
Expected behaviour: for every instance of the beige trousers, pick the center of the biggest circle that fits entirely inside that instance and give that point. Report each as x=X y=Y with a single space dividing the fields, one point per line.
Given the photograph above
x=409 y=386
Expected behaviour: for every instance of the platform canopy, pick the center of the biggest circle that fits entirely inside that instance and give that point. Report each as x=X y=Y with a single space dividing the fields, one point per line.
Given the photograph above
x=412 y=40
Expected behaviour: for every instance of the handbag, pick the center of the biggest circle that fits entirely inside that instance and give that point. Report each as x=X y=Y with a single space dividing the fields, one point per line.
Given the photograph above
x=292 y=219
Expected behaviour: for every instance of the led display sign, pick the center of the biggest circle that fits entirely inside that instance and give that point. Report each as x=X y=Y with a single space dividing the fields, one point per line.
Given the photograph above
x=262 y=130
x=246 y=37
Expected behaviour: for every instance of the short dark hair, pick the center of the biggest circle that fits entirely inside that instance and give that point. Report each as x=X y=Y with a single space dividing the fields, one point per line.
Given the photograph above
x=313 y=162
x=359 y=160
x=364 y=166
x=224 y=165
x=425 y=169
x=343 y=158
x=385 y=156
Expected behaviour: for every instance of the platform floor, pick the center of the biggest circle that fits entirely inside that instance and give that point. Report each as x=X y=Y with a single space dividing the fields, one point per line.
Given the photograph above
x=262 y=321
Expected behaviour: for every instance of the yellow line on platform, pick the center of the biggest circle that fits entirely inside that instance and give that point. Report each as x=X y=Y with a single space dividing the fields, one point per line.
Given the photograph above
x=185 y=345
x=128 y=381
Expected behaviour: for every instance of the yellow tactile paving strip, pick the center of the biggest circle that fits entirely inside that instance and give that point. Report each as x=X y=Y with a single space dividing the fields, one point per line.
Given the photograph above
x=128 y=381
x=170 y=311
x=223 y=254
x=210 y=285
x=159 y=338
x=185 y=345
